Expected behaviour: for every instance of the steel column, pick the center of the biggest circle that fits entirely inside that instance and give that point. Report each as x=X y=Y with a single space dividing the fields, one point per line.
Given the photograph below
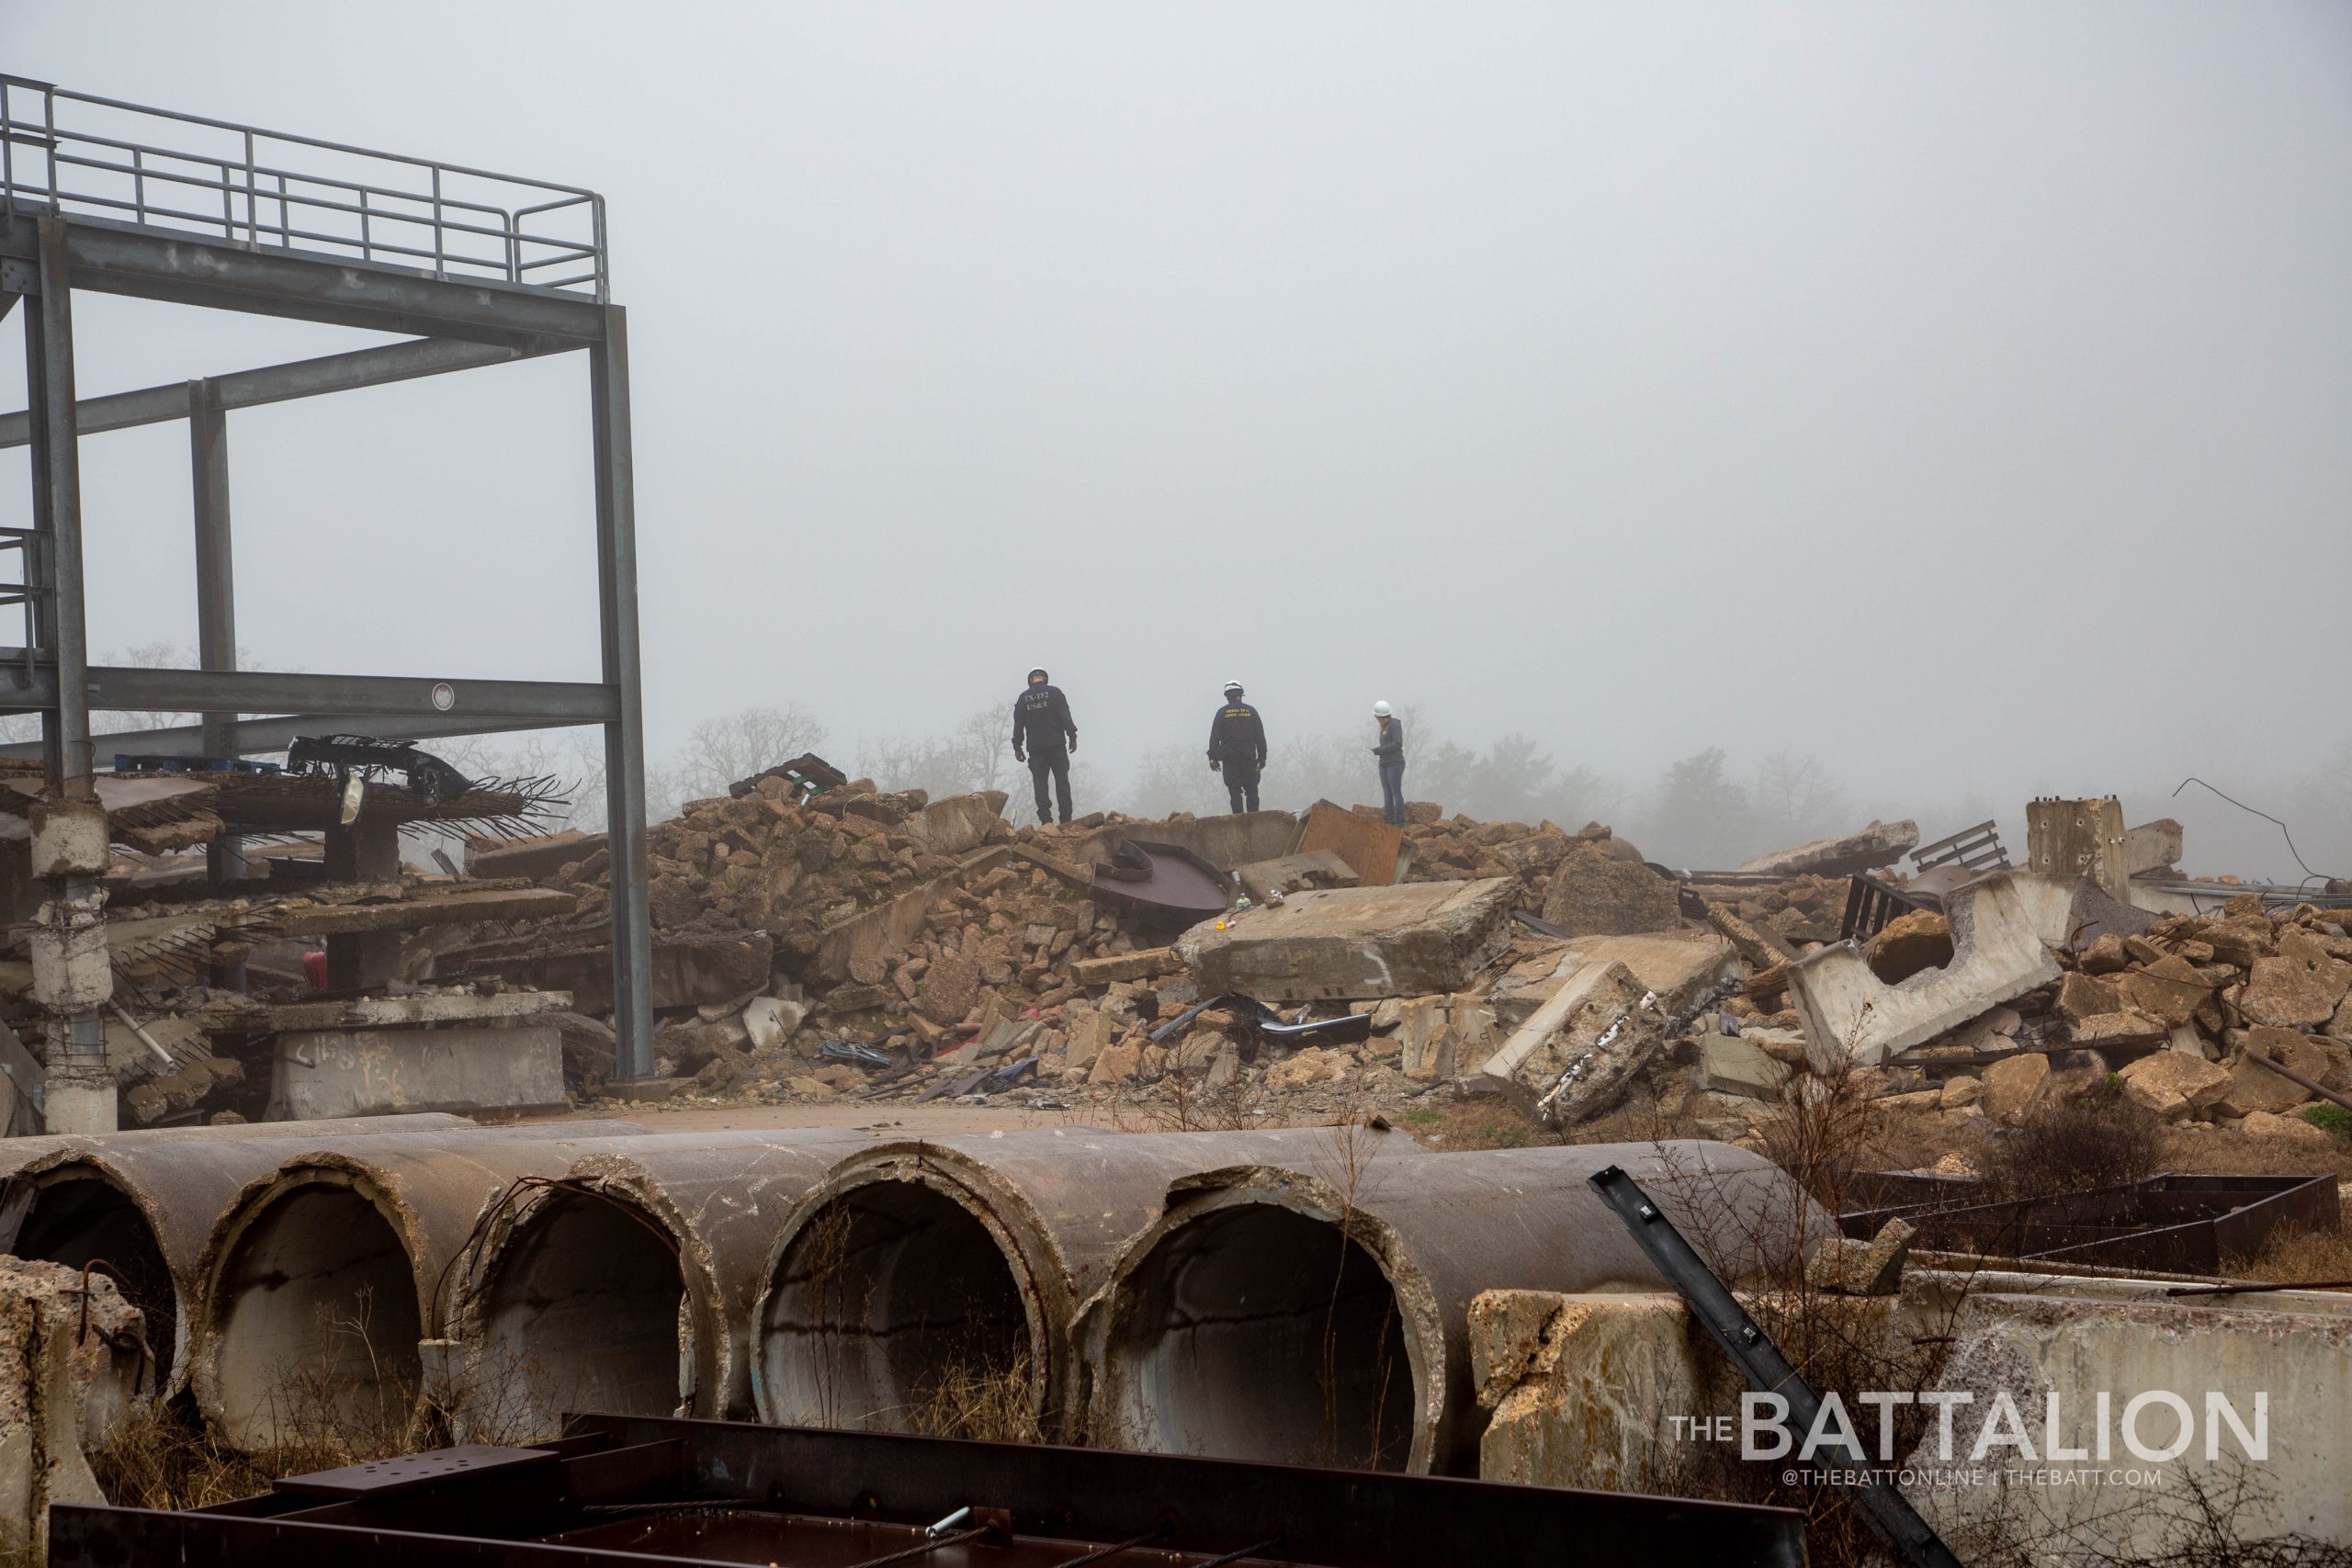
x=624 y=734
x=80 y=1091
x=216 y=583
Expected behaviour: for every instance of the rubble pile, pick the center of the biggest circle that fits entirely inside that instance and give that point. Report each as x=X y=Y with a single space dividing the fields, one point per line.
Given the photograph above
x=2188 y=1016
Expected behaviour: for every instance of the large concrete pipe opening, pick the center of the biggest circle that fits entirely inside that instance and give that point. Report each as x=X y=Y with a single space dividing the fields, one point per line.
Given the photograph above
x=314 y=1325
x=84 y=1221
x=896 y=1307
x=1260 y=1333
x=584 y=1309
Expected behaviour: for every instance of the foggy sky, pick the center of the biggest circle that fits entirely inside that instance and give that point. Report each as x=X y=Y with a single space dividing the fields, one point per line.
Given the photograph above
x=1961 y=394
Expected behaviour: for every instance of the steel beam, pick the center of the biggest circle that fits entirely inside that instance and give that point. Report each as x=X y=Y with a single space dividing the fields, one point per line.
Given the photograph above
x=216 y=583
x=283 y=383
x=625 y=730
x=187 y=269
x=516 y=704
x=251 y=737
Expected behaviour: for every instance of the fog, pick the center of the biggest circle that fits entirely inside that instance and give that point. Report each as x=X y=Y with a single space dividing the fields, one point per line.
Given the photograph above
x=1930 y=408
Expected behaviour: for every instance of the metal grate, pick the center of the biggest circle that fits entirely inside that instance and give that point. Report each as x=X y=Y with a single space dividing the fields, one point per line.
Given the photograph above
x=69 y=153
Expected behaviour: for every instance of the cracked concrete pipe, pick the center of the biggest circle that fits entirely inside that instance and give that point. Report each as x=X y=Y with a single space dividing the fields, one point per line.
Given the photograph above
x=319 y=1284
x=1273 y=1313
x=629 y=1290
x=931 y=1285
x=142 y=1203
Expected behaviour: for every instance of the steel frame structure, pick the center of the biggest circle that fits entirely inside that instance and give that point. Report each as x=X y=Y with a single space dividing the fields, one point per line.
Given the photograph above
x=461 y=260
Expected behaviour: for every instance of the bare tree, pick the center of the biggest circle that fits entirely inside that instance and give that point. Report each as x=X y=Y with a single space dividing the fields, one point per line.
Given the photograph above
x=721 y=751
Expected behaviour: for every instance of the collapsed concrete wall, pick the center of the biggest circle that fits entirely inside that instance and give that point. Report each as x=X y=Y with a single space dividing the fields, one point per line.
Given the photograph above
x=1282 y=1314
x=920 y=1261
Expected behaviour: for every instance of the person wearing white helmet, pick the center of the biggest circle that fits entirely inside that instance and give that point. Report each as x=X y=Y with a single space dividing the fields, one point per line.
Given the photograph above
x=1044 y=736
x=1388 y=750
x=1238 y=748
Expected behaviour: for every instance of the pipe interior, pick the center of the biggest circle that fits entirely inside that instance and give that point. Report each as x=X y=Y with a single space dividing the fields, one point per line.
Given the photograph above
x=81 y=1220
x=894 y=1309
x=1259 y=1333
x=587 y=1311
x=317 y=1326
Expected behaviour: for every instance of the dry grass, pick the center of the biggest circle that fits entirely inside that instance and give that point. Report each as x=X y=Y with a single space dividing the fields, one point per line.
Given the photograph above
x=2073 y=1143
x=2295 y=1255
x=975 y=1399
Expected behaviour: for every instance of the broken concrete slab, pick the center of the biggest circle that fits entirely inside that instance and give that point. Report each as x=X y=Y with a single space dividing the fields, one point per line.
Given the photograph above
x=688 y=971
x=1682 y=966
x=1759 y=946
x=2300 y=989
x=2003 y=929
x=420 y=909
x=1575 y=1384
x=1577 y=1052
x=320 y=1074
x=1349 y=943
x=536 y=858
x=241 y=1015
x=1296 y=874
x=1848 y=1266
x=2152 y=846
x=74 y=1360
x=1880 y=843
x=1729 y=1065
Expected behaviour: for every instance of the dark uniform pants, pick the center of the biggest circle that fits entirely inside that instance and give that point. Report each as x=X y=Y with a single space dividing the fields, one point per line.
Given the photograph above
x=1241 y=785
x=1056 y=766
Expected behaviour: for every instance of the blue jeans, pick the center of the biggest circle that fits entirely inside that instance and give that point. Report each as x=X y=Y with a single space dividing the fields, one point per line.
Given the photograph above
x=1391 y=792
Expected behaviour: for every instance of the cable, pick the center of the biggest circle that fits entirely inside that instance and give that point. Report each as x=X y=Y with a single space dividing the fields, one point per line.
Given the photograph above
x=2308 y=874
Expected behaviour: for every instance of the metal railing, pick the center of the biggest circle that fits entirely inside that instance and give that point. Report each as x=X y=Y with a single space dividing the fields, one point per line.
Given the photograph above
x=71 y=152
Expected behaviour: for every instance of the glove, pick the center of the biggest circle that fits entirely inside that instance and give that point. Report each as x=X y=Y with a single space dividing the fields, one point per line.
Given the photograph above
x=1073 y=745
x=1214 y=764
x=1019 y=755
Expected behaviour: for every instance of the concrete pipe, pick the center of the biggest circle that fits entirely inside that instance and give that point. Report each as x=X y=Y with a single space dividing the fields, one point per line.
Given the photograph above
x=1273 y=1314
x=629 y=1289
x=931 y=1285
x=321 y=1281
x=144 y=1203
x=17 y=1152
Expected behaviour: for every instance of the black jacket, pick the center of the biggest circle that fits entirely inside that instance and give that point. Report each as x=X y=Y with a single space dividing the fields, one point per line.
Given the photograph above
x=1041 y=722
x=1236 y=736
x=1391 y=748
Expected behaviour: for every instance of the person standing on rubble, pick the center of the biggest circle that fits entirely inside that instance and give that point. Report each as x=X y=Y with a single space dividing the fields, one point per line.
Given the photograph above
x=1388 y=750
x=1238 y=748
x=1044 y=736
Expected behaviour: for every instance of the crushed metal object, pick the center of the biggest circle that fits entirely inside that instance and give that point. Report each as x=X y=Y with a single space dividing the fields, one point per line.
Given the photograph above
x=1160 y=883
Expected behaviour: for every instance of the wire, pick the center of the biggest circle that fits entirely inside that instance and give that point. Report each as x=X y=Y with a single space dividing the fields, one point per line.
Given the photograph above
x=2308 y=874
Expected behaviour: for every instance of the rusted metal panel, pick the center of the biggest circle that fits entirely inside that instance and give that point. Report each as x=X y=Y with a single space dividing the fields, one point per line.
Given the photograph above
x=1369 y=845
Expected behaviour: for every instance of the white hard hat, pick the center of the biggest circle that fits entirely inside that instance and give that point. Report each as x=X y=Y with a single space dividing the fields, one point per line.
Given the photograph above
x=1382 y=710
x=1233 y=685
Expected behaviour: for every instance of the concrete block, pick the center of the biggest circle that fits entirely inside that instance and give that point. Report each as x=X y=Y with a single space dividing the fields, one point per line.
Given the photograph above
x=2174 y=1084
x=67 y=945
x=538 y=857
x=1593 y=893
x=1577 y=1054
x=2152 y=846
x=887 y=930
x=1410 y=940
x=1681 y=966
x=1728 y=1065
x=958 y=824
x=2003 y=929
x=63 y=1387
x=371 y=1072
x=2079 y=837
x=70 y=838
x=1144 y=963
x=1580 y=1386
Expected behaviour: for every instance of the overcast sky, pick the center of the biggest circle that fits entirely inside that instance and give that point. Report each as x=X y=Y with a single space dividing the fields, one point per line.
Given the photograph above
x=1961 y=393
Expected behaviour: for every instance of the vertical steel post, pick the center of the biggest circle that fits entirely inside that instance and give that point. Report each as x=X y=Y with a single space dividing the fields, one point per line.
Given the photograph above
x=623 y=739
x=80 y=1090
x=216 y=582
